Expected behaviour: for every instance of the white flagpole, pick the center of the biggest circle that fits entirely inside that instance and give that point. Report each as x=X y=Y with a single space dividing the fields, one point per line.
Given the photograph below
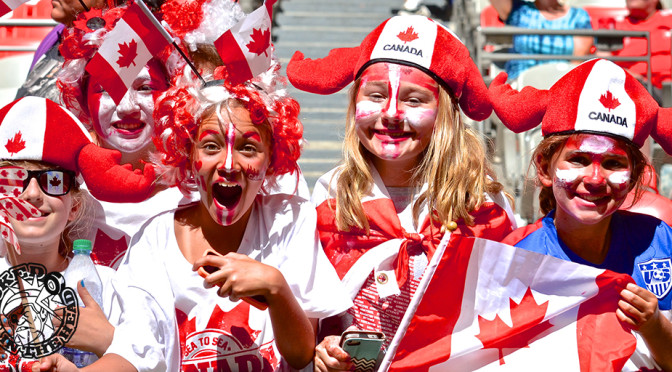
x=415 y=302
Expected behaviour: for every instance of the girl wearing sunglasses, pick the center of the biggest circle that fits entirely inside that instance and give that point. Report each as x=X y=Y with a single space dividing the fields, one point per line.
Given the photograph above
x=44 y=175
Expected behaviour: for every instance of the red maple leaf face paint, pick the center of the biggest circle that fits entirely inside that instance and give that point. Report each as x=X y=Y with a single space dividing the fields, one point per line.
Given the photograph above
x=591 y=178
x=127 y=127
x=396 y=109
x=230 y=159
x=52 y=215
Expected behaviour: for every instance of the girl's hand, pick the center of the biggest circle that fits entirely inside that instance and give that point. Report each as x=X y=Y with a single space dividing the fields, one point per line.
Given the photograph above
x=94 y=332
x=638 y=308
x=241 y=276
x=329 y=356
x=55 y=363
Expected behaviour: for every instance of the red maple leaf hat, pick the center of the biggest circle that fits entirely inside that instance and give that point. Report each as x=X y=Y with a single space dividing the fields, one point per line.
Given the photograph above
x=415 y=41
x=596 y=97
x=35 y=128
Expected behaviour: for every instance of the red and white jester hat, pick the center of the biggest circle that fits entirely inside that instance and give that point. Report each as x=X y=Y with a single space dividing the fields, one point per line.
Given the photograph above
x=595 y=97
x=34 y=128
x=415 y=41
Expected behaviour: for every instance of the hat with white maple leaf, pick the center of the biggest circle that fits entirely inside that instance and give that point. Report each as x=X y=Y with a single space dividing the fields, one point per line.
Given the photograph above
x=415 y=41
x=35 y=128
x=596 y=97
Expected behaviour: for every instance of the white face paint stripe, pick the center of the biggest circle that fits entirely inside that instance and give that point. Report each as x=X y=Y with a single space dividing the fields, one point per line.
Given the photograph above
x=365 y=109
x=230 y=138
x=395 y=80
x=567 y=175
x=619 y=178
x=596 y=145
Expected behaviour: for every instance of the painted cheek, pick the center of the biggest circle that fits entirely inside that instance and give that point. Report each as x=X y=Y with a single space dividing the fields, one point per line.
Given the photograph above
x=254 y=174
x=619 y=181
x=106 y=108
x=565 y=178
x=367 y=111
x=420 y=117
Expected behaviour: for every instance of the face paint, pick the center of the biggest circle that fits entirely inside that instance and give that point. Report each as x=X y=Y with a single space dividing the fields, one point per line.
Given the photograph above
x=230 y=165
x=366 y=109
x=596 y=145
x=230 y=139
x=129 y=126
x=620 y=179
x=591 y=178
x=396 y=109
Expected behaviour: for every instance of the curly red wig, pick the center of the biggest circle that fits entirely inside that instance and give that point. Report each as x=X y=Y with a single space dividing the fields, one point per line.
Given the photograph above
x=179 y=112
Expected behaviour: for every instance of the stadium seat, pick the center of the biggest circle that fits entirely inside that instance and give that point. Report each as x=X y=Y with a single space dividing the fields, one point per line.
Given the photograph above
x=14 y=71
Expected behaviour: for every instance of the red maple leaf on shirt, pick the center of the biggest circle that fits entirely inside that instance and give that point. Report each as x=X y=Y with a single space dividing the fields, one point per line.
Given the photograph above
x=526 y=318
x=408 y=35
x=261 y=40
x=15 y=144
x=127 y=53
x=609 y=101
x=54 y=181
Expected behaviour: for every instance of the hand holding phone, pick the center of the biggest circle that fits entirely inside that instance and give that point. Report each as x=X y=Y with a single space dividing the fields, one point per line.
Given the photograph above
x=257 y=301
x=363 y=347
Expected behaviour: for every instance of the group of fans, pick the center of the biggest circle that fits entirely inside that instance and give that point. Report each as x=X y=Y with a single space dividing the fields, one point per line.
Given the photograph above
x=189 y=187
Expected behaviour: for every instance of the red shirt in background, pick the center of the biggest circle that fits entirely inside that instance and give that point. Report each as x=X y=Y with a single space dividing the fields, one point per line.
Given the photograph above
x=659 y=26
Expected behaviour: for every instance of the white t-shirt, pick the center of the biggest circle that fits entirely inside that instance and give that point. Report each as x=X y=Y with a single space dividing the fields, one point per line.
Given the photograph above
x=110 y=226
x=169 y=317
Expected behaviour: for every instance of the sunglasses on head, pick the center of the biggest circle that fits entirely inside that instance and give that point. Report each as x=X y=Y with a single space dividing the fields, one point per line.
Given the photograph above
x=53 y=182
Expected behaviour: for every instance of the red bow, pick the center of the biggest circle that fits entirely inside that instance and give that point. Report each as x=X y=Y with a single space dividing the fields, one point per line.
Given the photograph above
x=343 y=248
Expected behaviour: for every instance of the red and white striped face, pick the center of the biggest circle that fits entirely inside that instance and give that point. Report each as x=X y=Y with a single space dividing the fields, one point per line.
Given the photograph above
x=129 y=126
x=229 y=162
x=46 y=226
x=396 y=109
x=590 y=178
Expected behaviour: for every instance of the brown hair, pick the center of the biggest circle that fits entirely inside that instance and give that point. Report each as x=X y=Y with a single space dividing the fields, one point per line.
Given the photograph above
x=74 y=227
x=454 y=167
x=551 y=146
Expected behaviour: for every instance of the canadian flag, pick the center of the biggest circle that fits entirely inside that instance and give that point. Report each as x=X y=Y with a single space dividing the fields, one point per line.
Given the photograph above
x=7 y=6
x=18 y=209
x=484 y=305
x=136 y=37
x=245 y=48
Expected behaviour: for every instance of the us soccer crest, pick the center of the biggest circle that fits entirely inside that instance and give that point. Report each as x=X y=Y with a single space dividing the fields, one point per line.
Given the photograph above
x=657 y=276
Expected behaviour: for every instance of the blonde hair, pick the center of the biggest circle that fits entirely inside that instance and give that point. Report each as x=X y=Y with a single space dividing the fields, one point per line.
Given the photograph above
x=75 y=227
x=454 y=166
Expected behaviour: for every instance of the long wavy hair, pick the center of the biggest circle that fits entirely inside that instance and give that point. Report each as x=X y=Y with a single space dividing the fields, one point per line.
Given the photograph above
x=454 y=166
x=551 y=146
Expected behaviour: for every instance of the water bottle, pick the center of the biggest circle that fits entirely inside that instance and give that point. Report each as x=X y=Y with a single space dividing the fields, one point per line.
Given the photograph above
x=82 y=268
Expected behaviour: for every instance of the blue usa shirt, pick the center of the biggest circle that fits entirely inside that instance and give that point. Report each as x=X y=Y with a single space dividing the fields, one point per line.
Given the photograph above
x=641 y=246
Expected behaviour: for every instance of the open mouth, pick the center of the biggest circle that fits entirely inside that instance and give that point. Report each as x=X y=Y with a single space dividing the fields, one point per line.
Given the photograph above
x=129 y=127
x=227 y=195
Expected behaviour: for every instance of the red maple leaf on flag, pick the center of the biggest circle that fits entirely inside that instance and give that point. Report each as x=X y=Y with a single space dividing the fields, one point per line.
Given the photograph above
x=408 y=35
x=54 y=181
x=526 y=318
x=3 y=173
x=609 y=101
x=127 y=53
x=261 y=40
x=15 y=144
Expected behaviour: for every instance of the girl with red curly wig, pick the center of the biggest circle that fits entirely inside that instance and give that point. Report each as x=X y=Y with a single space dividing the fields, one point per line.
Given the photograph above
x=239 y=277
